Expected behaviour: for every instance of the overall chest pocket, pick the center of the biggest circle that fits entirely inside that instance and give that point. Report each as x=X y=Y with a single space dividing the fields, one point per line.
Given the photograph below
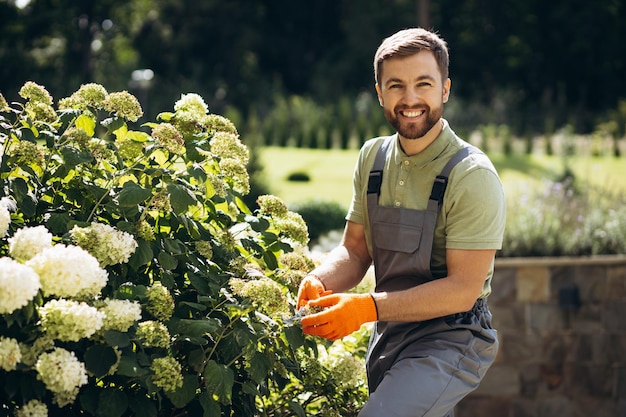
x=397 y=237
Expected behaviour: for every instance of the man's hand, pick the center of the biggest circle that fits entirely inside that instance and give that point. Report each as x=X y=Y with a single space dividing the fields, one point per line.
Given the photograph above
x=311 y=288
x=342 y=315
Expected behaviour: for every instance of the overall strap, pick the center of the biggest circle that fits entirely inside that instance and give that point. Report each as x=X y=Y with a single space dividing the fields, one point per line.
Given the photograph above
x=376 y=174
x=441 y=181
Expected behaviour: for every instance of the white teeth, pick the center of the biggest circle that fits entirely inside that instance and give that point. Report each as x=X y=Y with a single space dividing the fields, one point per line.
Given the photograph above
x=412 y=113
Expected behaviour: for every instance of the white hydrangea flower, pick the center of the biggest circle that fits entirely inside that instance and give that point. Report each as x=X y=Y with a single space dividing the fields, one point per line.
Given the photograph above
x=10 y=354
x=29 y=241
x=33 y=408
x=120 y=314
x=68 y=271
x=109 y=245
x=61 y=371
x=192 y=103
x=18 y=285
x=68 y=320
x=5 y=220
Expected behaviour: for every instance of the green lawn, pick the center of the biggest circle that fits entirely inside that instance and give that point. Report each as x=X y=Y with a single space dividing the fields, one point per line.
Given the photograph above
x=330 y=172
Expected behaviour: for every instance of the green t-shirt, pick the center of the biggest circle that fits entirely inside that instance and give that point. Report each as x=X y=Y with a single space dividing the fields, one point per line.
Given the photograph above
x=473 y=212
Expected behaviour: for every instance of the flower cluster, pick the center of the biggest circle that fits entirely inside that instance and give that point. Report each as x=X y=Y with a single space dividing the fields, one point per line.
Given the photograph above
x=4 y=106
x=61 y=372
x=120 y=315
x=167 y=373
x=124 y=105
x=169 y=138
x=68 y=320
x=5 y=220
x=153 y=334
x=160 y=301
x=33 y=408
x=68 y=271
x=10 y=354
x=39 y=104
x=264 y=293
x=18 y=285
x=109 y=245
x=29 y=241
x=87 y=97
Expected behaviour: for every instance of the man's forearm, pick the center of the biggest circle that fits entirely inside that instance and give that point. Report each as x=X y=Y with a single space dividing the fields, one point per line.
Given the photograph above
x=341 y=270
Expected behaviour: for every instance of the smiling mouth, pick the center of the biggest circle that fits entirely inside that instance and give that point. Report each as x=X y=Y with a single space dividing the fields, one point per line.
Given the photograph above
x=412 y=113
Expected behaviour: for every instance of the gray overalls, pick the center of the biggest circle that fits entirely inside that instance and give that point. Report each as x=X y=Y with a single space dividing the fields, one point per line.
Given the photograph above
x=419 y=369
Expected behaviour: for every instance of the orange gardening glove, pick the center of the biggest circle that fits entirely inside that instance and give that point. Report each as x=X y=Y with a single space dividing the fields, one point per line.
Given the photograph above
x=342 y=315
x=311 y=288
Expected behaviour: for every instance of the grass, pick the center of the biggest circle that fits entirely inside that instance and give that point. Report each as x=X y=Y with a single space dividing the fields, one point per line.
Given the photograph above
x=330 y=173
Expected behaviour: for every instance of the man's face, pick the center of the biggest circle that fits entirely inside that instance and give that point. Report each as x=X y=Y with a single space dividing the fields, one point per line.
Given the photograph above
x=412 y=93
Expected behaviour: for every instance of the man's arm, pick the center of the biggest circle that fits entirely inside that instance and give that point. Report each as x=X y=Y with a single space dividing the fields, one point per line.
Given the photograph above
x=467 y=270
x=345 y=265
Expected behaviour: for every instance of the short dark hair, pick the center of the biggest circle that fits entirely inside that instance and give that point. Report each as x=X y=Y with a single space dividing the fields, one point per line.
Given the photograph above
x=408 y=42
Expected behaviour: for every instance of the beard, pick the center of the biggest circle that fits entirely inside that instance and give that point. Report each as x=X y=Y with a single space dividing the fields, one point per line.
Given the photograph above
x=414 y=130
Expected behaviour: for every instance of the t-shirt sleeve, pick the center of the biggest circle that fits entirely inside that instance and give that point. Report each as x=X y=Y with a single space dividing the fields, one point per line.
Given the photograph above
x=475 y=211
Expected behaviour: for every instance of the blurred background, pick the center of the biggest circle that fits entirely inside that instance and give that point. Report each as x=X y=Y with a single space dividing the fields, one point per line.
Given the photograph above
x=533 y=65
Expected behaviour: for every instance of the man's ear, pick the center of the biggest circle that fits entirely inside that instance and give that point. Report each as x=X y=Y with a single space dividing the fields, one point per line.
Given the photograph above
x=446 y=90
x=380 y=95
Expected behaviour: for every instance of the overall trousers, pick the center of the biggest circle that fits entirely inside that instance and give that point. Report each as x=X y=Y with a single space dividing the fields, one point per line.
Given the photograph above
x=419 y=369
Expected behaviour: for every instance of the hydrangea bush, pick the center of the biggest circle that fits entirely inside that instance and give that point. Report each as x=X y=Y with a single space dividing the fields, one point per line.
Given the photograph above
x=135 y=282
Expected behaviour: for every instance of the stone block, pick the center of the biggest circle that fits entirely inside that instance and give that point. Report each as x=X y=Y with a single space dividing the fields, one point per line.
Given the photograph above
x=616 y=282
x=614 y=316
x=588 y=380
x=503 y=287
x=544 y=407
x=544 y=317
x=484 y=405
x=511 y=317
x=620 y=382
x=592 y=282
x=501 y=380
x=533 y=284
x=518 y=348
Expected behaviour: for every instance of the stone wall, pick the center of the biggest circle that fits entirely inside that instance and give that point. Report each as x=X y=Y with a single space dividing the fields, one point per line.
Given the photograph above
x=562 y=332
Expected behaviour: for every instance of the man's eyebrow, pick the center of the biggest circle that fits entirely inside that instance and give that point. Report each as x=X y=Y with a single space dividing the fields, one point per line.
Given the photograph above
x=420 y=78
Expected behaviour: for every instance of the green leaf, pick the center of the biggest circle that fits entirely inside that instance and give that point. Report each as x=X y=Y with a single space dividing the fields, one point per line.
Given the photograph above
x=197 y=328
x=99 y=359
x=88 y=399
x=165 y=116
x=143 y=254
x=199 y=283
x=257 y=224
x=270 y=260
x=29 y=134
x=86 y=123
x=129 y=367
x=219 y=380
x=115 y=338
x=180 y=198
x=183 y=395
x=58 y=223
x=132 y=194
x=73 y=156
x=167 y=261
x=112 y=403
x=294 y=336
x=112 y=124
x=259 y=367
x=209 y=405
x=136 y=136
x=297 y=408
x=142 y=406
